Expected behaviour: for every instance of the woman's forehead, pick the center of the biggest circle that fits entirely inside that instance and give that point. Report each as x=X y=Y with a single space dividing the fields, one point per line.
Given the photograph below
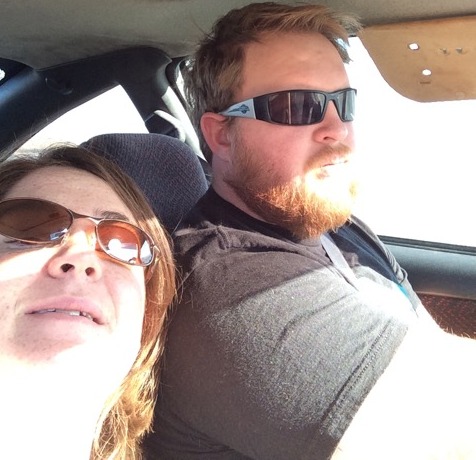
x=76 y=189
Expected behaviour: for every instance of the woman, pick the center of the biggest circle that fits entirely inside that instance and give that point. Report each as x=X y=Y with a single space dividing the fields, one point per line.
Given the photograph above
x=82 y=306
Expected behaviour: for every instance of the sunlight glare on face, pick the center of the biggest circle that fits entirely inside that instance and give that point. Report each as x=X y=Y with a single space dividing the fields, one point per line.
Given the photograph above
x=20 y=264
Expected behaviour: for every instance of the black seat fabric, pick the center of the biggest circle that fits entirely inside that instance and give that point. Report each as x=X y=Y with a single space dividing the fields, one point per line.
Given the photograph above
x=166 y=169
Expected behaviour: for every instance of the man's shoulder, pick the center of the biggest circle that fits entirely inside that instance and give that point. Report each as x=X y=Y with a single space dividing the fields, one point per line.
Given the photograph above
x=214 y=227
x=204 y=241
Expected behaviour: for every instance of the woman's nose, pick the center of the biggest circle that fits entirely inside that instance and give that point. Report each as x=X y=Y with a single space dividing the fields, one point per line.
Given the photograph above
x=77 y=255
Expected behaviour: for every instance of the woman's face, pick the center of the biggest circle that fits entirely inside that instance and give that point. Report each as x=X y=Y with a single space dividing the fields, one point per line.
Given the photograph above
x=43 y=288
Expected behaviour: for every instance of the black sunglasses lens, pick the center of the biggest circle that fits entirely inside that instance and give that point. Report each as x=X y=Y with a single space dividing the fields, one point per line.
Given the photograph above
x=278 y=107
x=316 y=107
x=34 y=221
x=308 y=107
x=125 y=242
x=296 y=107
x=345 y=101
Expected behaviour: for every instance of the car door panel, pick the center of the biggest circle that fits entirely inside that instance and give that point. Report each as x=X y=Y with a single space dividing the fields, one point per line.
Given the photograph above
x=444 y=278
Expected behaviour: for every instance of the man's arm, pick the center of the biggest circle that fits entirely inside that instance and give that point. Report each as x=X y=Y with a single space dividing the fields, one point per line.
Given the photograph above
x=423 y=407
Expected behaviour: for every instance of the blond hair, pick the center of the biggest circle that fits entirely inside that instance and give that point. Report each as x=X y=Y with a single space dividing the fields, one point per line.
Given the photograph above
x=214 y=73
x=127 y=415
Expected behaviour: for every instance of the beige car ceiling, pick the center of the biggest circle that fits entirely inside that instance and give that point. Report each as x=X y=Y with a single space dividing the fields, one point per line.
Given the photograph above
x=426 y=60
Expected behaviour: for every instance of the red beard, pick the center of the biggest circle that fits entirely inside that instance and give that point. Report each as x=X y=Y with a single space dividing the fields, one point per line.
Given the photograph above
x=307 y=209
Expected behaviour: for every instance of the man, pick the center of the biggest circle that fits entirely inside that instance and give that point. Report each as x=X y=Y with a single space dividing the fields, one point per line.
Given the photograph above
x=297 y=335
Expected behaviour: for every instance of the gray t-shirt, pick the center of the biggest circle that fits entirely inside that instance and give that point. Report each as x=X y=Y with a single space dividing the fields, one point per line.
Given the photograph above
x=270 y=350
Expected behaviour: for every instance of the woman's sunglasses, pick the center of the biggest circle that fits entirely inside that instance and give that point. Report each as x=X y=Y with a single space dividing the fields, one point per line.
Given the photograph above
x=38 y=221
x=295 y=107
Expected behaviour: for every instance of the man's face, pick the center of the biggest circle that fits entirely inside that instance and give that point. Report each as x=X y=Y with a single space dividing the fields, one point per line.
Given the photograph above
x=298 y=177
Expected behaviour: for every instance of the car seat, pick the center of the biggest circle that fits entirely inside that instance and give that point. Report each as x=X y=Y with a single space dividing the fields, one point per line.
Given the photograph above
x=166 y=169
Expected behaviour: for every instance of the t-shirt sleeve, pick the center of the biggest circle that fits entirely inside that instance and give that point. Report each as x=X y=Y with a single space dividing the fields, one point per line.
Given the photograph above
x=271 y=356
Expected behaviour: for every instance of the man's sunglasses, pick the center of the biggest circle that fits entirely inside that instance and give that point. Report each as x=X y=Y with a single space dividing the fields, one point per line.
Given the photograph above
x=36 y=221
x=295 y=107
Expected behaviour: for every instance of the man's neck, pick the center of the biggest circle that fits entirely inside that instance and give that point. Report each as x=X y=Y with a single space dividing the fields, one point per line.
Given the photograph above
x=228 y=194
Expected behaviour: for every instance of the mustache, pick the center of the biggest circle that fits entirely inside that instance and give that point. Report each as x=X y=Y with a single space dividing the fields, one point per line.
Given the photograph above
x=328 y=155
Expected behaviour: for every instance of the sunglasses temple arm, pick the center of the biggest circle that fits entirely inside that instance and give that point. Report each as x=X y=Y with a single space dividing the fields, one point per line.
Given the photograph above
x=245 y=109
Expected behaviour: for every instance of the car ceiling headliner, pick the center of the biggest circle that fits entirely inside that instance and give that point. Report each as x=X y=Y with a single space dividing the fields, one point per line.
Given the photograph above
x=44 y=33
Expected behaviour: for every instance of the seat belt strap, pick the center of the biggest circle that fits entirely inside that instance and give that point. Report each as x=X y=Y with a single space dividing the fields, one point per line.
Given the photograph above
x=338 y=260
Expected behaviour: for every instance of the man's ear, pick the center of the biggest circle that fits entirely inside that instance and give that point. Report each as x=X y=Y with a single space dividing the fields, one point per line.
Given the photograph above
x=215 y=130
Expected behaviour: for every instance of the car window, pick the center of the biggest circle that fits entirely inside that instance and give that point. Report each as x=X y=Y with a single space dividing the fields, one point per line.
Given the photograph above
x=418 y=160
x=111 y=112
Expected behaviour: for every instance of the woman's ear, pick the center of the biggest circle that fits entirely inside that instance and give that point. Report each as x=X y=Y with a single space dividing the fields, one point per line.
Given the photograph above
x=215 y=130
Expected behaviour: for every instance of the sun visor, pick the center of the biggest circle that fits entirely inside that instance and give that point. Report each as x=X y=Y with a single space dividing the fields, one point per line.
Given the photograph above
x=426 y=60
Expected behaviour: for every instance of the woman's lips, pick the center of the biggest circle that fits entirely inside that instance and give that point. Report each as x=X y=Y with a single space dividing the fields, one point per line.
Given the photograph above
x=67 y=305
x=66 y=312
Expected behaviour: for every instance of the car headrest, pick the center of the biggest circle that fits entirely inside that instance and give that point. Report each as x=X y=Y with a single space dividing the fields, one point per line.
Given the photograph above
x=166 y=169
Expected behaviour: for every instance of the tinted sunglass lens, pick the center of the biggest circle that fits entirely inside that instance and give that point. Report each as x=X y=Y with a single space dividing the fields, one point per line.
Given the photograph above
x=296 y=107
x=316 y=107
x=125 y=242
x=346 y=103
x=35 y=221
x=279 y=108
x=306 y=107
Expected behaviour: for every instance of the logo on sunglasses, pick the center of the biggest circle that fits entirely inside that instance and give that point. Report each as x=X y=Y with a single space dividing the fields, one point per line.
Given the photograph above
x=243 y=108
